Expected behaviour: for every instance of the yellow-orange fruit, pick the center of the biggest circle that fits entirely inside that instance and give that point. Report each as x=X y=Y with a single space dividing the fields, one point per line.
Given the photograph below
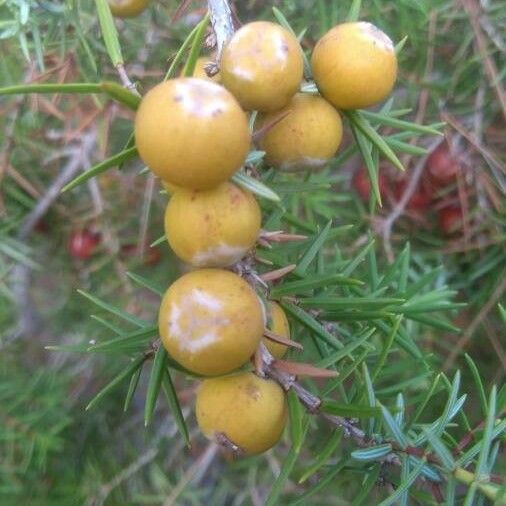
x=262 y=66
x=191 y=132
x=211 y=321
x=212 y=228
x=200 y=71
x=127 y=8
x=306 y=138
x=280 y=326
x=354 y=65
x=249 y=411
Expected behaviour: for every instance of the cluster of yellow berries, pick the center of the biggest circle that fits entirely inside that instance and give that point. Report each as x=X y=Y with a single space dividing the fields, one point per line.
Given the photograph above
x=193 y=132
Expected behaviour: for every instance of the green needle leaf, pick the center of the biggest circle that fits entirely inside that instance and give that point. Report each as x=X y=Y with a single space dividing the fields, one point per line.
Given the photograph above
x=365 y=148
x=312 y=283
x=440 y=449
x=372 y=452
x=394 y=428
x=109 y=163
x=336 y=303
x=296 y=417
x=137 y=340
x=323 y=455
x=346 y=351
x=325 y=480
x=479 y=384
x=306 y=259
x=362 y=124
x=487 y=438
x=109 y=32
x=155 y=382
x=254 y=186
x=174 y=406
x=131 y=369
x=405 y=485
x=349 y=410
x=388 y=120
x=121 y=94
x=146 y=283
x=25 y=89
x=354 y=12
x=309 y=322
x=198 y=38
x=134 y=382
x=114 y=310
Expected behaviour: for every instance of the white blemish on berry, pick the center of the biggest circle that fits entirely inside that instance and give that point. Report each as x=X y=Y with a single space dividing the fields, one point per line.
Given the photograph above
x=196 y=322
x=221 y=255
x=200 y=97
x=374 y=34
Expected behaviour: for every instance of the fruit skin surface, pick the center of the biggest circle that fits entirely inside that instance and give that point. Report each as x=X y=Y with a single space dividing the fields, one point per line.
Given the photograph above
x=83 y=243
x=306 y=138
x=262 y=66
x=354 y=65
x=211 y=321
x=212 y=228
x=191 y=132
x=250 y=411
x=127 y=8
x=280 y=326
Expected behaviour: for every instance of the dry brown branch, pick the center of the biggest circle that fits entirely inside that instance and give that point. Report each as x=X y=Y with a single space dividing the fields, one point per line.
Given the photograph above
x=278 y=273
x=473 y=10
x=223 y=26
x=282 y=340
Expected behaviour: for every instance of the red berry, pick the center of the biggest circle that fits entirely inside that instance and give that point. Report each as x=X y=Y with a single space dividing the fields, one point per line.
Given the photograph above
x=153 y=256
x=419 y=201
x=362 y=183
x=83 y=243
x=450 y=220
x=441 y=165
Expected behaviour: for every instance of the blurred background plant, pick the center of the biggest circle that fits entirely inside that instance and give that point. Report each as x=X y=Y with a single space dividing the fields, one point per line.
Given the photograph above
x=96 y=238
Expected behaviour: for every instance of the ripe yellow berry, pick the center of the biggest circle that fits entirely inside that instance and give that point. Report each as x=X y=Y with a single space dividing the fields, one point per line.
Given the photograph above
x=211 y=321
x=262 y=66
x=354 y=65
x=281 y=327
x=191 y=132
x=212 y=228
x=127 y=8
x=249 y=411
x=200 y=71
x=306 y=138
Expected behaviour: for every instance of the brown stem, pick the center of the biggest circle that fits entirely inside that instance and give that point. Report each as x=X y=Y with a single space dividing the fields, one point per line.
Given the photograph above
x=223 y=25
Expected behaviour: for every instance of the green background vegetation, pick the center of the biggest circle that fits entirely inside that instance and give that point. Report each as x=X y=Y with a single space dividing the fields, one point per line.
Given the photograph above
x=52 y=451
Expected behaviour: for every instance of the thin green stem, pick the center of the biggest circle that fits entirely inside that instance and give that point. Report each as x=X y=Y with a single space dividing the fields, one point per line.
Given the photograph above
x=468 y=478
